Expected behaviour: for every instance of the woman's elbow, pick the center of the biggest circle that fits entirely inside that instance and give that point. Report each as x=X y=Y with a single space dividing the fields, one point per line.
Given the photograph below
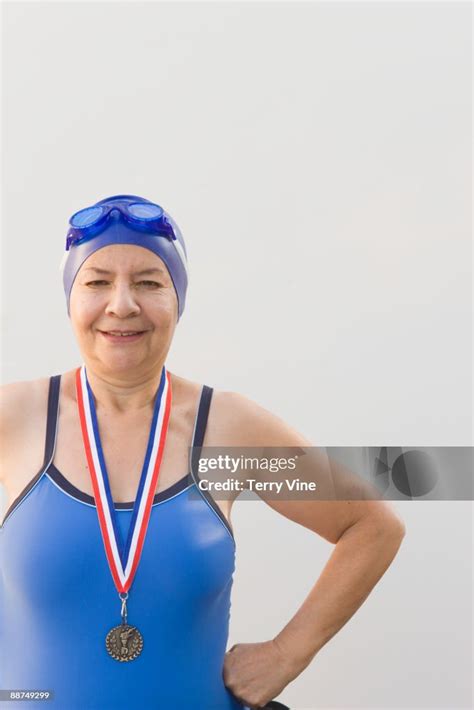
x=388 y=523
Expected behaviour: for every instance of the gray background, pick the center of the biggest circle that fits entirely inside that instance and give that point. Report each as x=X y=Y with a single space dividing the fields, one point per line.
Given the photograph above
x=318 y=160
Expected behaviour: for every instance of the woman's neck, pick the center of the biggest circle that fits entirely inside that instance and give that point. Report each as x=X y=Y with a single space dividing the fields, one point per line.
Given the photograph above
x=119 y=394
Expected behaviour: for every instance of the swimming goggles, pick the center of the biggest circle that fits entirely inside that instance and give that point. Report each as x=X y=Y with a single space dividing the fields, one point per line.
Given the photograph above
x=143 y=216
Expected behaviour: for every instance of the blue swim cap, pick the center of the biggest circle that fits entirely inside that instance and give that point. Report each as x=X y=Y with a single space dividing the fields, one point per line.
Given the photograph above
x=126 y=219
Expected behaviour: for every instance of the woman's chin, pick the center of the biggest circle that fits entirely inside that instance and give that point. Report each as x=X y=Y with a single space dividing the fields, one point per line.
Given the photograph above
x=118 y=362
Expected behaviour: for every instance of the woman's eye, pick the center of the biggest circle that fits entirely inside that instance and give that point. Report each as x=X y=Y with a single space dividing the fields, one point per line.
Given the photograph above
x=101 y=282
x=149 y=283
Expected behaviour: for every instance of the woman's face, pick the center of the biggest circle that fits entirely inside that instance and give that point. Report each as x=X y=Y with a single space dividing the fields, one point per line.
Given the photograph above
x=123 y=288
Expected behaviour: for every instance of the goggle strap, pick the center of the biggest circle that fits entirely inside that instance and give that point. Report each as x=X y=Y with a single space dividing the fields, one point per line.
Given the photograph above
x=181 y=254
x=176 y=243
x=63 y=261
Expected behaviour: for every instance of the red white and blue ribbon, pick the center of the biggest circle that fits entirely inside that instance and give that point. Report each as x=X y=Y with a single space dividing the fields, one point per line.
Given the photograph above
x=123 y=560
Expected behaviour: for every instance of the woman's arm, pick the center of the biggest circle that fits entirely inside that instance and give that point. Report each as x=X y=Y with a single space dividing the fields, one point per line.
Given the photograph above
x=366 y=533
x=361 y=556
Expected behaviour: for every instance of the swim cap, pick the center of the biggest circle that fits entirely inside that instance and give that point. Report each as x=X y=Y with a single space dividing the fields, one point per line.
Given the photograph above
x=125 y=219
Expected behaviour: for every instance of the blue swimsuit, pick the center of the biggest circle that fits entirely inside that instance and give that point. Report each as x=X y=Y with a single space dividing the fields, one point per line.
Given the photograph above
x=58 y=600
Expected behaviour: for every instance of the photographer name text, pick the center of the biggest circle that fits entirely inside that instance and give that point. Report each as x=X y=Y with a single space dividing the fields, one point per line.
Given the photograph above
x=253 y=484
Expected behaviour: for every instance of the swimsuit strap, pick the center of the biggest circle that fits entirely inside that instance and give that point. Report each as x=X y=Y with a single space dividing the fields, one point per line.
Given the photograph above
x=52 y=420
x=202 y=415
x=195 y=454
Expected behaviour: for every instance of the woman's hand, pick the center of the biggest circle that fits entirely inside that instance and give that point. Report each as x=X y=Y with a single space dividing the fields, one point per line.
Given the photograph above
x=255 y=673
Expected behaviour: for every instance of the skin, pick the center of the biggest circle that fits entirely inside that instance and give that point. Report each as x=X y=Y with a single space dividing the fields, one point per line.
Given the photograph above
x=126 y=299
x=366 y=534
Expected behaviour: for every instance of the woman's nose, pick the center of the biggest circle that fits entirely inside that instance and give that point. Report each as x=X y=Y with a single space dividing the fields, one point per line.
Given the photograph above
x=122 y=302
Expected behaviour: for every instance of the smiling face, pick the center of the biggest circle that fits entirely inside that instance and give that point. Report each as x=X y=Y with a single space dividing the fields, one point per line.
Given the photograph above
x=123 y=288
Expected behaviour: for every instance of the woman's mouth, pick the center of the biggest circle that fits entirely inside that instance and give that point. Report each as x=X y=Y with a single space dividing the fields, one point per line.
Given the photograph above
x=122 y=336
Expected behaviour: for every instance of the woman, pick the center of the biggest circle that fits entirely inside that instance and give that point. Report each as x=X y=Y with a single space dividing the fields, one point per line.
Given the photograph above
x=115 y=586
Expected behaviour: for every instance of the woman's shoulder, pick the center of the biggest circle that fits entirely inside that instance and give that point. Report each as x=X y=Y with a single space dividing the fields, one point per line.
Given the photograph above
x=23 y=406
x=224 y=401
x=19 y=397
x=249 y=423
x=21 y=402
x=237 y=420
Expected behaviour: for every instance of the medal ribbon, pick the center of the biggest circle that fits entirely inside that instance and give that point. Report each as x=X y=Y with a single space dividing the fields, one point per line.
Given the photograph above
x=123 y=561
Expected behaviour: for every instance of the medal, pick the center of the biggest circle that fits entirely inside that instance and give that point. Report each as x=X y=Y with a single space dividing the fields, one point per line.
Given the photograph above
x=123 y=642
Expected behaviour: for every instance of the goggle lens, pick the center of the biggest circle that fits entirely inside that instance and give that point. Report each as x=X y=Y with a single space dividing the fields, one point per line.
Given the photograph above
x=142 y=210
x=86 y=217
